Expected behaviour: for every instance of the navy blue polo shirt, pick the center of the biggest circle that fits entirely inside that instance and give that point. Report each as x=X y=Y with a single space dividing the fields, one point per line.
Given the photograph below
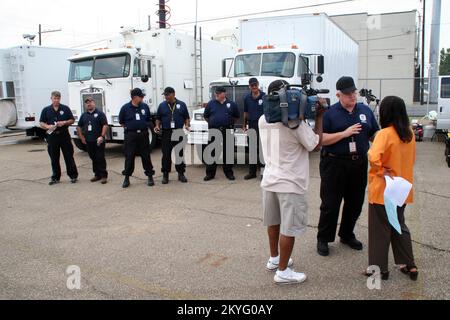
x=135 y=118
x=178 y=112
x=221 y=114
x=337 y=119
x=254 y=106
x=50 y=117
x=96 y=119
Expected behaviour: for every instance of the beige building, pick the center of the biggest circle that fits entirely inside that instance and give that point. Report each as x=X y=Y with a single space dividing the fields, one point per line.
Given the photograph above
x=388 y=51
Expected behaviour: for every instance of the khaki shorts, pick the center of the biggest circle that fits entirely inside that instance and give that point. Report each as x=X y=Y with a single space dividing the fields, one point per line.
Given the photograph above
x=289 y=210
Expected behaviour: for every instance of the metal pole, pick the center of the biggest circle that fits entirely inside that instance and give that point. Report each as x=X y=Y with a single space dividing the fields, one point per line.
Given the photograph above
x=40 y=35
x=422 y=69
x=435 y=51
x=162 y=14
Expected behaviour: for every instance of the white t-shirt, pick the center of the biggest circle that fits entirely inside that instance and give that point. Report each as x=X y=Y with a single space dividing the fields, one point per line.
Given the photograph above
x=286 y=154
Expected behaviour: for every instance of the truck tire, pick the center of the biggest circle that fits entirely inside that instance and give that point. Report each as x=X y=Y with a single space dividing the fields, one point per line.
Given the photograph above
x=79 y=144
x=8 y=115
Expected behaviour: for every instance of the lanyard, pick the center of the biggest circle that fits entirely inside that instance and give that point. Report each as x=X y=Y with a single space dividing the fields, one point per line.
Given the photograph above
x=172 y=109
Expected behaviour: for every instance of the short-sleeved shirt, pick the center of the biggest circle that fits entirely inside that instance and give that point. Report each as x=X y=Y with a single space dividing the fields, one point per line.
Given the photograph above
x=254 y=106
x=178 y=113
x=135 y=118
x=221 y=114
x=94 y=121
x=338 y=119
x=50 y=116
x=286 y=154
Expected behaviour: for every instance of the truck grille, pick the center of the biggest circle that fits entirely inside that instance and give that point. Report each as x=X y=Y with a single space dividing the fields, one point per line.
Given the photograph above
x=98 y=98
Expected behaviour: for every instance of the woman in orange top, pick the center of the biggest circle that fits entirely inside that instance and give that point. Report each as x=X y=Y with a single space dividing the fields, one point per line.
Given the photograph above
x=392 y=154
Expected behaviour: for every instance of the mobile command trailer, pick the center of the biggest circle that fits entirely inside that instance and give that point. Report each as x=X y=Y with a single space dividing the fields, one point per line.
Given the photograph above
x=28 y=75
x=151 y=61
x=299 y=49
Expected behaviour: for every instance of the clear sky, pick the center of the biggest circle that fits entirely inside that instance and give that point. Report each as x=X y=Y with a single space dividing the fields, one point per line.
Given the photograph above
x=84 y=21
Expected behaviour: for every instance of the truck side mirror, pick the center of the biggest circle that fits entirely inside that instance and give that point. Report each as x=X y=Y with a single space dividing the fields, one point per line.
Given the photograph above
x=320 y=64
x=143 y=66
x=145 y=78
x=226 y=66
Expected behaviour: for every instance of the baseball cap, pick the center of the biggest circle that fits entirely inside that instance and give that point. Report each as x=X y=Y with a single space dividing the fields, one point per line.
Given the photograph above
x=168 y=90
x=346 y=85
x=136 y=92
x=253 y=81
x=220 y=90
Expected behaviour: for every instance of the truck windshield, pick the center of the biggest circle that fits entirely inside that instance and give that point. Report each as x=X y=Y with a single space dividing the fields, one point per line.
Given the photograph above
x=445 y=88
x=278 y=64
x=117 y=66
x=247 y=65
x=81 y=70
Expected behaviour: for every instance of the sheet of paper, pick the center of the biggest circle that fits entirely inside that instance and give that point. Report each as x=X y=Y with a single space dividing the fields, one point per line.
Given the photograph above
x=397 y=190
x=391 y=210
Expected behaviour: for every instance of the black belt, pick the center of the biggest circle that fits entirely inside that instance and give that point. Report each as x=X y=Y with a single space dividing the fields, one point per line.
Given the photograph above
x=353 y=157
x=136 y=131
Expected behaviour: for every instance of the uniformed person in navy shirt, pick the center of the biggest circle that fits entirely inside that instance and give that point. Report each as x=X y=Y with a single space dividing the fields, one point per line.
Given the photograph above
x=348 y=126
x=92 y=128
x=56 y=119
x=135 y=118
x=253 y=110
x=221 y=114
x=172 y=115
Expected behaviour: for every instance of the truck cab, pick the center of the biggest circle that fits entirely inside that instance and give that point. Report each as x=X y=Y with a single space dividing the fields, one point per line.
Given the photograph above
x=267 y=64
x=443 y=120
x=108 y=75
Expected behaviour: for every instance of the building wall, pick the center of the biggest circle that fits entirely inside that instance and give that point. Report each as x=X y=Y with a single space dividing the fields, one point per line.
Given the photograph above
x=387 y=51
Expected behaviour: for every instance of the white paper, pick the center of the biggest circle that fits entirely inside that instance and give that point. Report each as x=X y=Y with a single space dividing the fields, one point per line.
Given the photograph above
x=397 y=190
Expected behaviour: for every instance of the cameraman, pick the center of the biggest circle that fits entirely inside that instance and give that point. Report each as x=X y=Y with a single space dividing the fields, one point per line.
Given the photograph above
x=285 y=183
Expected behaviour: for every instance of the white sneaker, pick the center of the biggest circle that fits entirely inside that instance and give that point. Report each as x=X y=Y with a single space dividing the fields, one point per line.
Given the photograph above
x=272 y=264
x=289 y=276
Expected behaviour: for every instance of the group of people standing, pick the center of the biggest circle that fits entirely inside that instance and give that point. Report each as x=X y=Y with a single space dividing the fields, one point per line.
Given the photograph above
x=342 y=134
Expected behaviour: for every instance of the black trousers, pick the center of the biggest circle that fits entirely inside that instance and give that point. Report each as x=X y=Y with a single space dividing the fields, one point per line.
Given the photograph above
x=137 y=144
x=253 y=167
x=341 y=179
x=227 y=167
x=97 y=155
x=57 y=143
x=382 y=234
x=167 y=147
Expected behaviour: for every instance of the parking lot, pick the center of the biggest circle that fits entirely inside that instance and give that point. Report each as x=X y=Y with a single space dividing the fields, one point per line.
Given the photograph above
x=201 y=240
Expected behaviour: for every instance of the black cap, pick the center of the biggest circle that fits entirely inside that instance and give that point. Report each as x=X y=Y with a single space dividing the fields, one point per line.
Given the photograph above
x=346 y=85
x=136 y=92
x=168 y=90
x=253 y=81
x=220 y=90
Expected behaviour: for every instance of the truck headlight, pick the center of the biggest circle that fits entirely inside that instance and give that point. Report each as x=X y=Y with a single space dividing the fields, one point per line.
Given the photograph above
x=115 y=119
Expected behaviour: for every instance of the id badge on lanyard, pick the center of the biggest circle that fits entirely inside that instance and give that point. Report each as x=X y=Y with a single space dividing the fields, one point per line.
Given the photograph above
x=89 y=127
x=352 y=146
x=172 y=110
x=172 y=124
x=138 y=117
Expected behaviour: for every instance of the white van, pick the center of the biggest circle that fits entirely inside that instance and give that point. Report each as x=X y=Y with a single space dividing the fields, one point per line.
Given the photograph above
x=443 y=121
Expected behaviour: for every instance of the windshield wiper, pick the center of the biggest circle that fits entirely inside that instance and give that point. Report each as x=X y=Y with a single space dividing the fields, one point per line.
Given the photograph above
x=105 y=75
x=243 y=74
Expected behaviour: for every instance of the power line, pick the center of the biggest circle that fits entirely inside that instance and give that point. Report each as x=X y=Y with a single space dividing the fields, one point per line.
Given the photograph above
x=264 y=12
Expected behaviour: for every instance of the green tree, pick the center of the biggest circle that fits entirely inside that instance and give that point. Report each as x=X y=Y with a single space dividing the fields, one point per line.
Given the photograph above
x=444 y=67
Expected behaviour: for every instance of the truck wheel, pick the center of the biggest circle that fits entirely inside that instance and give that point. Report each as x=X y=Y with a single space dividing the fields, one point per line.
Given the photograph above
x=152 y=138
x=80 y=144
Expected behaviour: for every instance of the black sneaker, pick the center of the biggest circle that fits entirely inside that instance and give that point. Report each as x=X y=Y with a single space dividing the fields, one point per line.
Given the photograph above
x=353 y=243
x=150 y=181
x=208 y=178
x=250 y=176
x=74 y=180
x=231 y=177
x=322 y=248
x=165 y=179
x=182 y=178
x=126 y=182
x=53 y=181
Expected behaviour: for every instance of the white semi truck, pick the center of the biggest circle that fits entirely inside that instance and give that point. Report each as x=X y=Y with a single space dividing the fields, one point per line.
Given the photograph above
x=149 y=60
x=300 y=49
x=28 y=75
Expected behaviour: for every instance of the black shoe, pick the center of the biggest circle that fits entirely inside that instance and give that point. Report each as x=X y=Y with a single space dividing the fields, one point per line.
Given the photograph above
x=165 y=179
x=53 y=181
x=208 y=178
x=74 y=180
x=384 y=275
x=250 y=176
x=182 y=178
x=104 y=181
x=413 y=275
x=353 y=243
x=150 y=181
x=322 y=248
x=230 y=177
x=126 y=182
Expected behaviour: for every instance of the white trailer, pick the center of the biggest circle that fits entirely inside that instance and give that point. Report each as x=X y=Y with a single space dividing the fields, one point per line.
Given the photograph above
x=149 y=60
x=28 y=75
x=300 y=49
x=443 y=120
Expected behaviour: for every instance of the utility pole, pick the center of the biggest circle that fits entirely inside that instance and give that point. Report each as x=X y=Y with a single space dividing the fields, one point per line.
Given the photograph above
x=422 y=63
x=40 y=32
x=162 y=14
x=434 y=51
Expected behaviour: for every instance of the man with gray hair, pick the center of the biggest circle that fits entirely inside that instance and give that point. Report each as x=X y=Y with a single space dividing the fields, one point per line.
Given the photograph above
x=56 y=119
